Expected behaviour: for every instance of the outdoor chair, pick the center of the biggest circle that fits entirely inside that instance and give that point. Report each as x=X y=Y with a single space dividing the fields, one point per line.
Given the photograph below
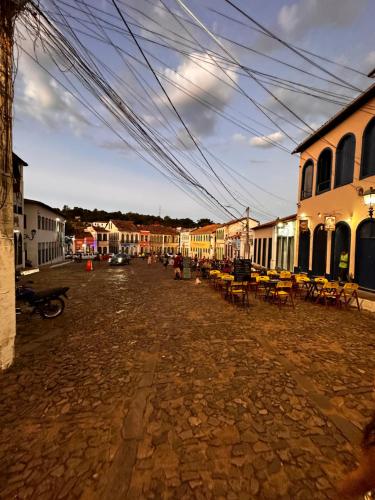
x=285 y=275
x=253 y=284
x=329 y=293
x=260 y=290
x=348 y=293
x=238 y=293
x=301 y=286
x=282 y=293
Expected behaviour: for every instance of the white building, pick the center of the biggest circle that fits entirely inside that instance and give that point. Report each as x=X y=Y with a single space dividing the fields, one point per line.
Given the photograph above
x=184 y=242
x=274 y=243
x=18 y=212
x=44 y=233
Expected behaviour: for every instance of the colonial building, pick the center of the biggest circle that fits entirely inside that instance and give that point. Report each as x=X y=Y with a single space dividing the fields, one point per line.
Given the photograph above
x=220 y=239
x=18 y=212
x=163 y=239
x=123 y=237
x=44 y=232
x=84 y=241
x=203 y=241
x=337 y=174
x=144 y=240
x=274 y=243
x=101 y=237
x=184 y=239
x=235 y=236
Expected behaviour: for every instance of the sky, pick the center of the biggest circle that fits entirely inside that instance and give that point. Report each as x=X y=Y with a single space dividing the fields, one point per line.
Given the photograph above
x=243 y=157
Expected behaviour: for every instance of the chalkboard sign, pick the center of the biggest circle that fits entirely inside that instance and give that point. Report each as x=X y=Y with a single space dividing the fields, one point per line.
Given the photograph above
x=186 y=271
x=242 y=269
x=186 y=262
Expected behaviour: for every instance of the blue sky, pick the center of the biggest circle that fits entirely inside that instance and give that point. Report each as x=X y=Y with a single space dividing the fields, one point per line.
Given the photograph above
x=75 y=160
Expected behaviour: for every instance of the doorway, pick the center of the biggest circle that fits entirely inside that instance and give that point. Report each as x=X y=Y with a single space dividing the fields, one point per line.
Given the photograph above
x=340 y=242
x=319 y=251
x=365 y=255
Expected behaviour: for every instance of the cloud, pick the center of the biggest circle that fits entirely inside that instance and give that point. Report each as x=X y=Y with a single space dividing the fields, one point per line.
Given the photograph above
x=239 y=138
x=264 y=141
x=297 y=19
x=39 y=96
x=199 y=80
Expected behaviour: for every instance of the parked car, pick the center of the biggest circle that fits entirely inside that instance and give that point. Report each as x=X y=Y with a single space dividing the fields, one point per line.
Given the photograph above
x=120 y=259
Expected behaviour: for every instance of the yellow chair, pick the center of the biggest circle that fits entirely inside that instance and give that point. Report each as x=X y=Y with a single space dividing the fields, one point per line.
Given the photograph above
x=238 y=291
x=260 y=290
x=329 y=293
x=282 y=293
x=285 y=275
x=348 y=293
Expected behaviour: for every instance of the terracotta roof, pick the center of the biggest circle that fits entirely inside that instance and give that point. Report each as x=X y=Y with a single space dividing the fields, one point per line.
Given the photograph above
x=339 y=117
x=211 y=228
x=82 y=234
x=274 y=222
x=158 y=229
x=125 y=226
x=99 y=229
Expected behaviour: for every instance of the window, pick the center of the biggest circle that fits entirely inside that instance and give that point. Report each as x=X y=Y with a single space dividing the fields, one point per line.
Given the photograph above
x=24 y=221
x=345 y=160
x=307 y=179
x=324 y=170
x=368 y=150
x=39 y=222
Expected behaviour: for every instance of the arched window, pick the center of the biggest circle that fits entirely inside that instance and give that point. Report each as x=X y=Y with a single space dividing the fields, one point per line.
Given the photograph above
x=368 y=150
x=307 y=179
x=345 y=160
x=324 y=170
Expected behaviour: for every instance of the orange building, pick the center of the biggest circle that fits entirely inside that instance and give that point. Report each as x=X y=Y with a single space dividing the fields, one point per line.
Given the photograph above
x=337 y=173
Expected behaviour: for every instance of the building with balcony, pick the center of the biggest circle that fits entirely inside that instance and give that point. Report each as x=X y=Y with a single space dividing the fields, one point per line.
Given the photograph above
x=123 y=237
x=163 y=239
x=336 y=174
x=184 y=246
x=203 y=241
x=144 y=240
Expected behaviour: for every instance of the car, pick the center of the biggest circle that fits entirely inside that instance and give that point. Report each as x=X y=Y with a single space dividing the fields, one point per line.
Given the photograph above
x=120 y=259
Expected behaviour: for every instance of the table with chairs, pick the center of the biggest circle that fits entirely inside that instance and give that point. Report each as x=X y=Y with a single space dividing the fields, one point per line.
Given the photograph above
x=284 y=288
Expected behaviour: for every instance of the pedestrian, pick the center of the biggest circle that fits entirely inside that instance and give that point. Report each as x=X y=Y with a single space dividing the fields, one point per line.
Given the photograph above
x=149 y=259
x=343 y=266
x=177 y=265
x=165 y=261
x=362 y=480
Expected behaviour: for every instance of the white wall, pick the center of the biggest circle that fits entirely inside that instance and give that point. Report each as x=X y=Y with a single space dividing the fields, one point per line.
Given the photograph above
x=50 y=242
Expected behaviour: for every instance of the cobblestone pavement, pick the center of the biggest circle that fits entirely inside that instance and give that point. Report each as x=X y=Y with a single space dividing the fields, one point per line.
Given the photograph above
x=148 y=387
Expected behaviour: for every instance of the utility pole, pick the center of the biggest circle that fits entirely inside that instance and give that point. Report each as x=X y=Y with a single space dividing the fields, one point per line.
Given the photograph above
x=247 y=245
x=8 y=11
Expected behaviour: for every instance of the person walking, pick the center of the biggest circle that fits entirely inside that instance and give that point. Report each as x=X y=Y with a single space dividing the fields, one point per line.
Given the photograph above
x=165 y=261
x=343 y=266
x=177 y=265
x=149 y=259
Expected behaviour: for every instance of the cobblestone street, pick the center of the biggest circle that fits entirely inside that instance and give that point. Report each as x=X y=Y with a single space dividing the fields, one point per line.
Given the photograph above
x=148 y=387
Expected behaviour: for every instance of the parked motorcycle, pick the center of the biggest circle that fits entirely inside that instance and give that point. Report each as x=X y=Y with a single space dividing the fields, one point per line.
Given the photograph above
x=48 y=303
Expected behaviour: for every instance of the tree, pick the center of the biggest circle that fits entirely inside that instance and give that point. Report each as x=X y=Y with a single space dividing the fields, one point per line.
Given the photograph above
x=204 y=222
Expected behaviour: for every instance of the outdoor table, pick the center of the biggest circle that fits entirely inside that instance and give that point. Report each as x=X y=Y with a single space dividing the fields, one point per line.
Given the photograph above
x=314 y=289
x=269 y=285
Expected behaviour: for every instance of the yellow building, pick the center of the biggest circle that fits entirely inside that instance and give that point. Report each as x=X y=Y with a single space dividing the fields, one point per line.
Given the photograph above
x=337 y=173
x=203 y=241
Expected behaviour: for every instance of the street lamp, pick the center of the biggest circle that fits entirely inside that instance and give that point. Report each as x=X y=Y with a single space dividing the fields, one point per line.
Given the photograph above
x=369 y=199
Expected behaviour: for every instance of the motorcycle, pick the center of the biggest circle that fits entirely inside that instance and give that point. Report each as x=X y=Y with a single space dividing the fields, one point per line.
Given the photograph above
x=48 y=303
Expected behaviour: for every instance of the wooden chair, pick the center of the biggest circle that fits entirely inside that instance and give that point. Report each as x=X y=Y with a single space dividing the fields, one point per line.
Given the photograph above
x=253 y=284
x=348 y=293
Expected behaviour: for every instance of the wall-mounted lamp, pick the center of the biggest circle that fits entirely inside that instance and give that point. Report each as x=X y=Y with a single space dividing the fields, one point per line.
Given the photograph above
x=369 y=199
x=33 y=233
